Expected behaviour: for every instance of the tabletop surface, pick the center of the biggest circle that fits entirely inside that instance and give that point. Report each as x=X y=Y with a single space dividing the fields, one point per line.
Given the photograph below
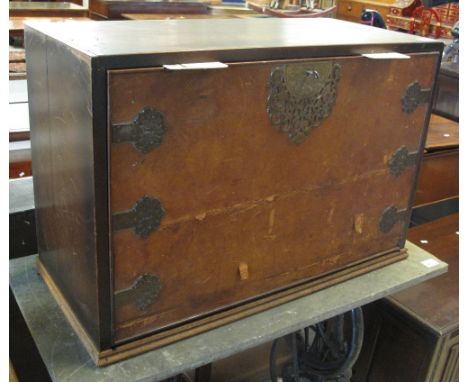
x=67 y=360
x=17 y=92
x=21 y=195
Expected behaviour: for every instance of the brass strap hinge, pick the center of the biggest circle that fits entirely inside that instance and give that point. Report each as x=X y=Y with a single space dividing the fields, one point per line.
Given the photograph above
x=145 y=217
x=391 y=216
x=414 y=96
x=146 y=131
x=402 y=159
x=142 y=294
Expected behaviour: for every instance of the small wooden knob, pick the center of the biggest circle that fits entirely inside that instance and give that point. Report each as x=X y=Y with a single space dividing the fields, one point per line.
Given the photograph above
x=243 y=271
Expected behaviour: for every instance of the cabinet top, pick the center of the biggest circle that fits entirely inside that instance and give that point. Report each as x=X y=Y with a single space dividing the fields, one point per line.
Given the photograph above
x=229 y=40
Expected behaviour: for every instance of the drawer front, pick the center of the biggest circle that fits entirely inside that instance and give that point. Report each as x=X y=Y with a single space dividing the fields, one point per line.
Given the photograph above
x=241 y=187
x=351 y=10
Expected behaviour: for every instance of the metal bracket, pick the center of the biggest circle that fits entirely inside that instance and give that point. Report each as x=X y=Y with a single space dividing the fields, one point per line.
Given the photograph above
x=142 y=294
x=145 y=217
x=390 y=216
x=414 y=96
x=146 y=131
x=401 y=159
x=301 y=97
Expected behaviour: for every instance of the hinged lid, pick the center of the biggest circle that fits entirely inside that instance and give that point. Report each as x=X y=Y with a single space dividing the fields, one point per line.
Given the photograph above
x=125 y=44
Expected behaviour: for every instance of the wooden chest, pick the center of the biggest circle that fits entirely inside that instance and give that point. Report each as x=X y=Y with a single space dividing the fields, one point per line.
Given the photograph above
x=172 y=198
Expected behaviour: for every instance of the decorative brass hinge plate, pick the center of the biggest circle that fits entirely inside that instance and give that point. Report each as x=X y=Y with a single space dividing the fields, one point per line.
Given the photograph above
x=391 y=216
x=302 y=97
x=414 y=96
x=400 y=160
x=146 y=131
x=142 y=294
x=145 y=217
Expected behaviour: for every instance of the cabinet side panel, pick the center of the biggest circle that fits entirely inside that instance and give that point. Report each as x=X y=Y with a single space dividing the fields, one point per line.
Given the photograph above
x=59 y=86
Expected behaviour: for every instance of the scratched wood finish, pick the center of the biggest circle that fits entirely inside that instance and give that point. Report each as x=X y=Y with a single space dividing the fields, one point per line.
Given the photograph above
x=62 y=164
x=236 y=191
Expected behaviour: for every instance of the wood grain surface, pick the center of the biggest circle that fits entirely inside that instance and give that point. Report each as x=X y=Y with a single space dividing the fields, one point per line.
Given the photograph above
x=442 y=134
x=439 y=177
x=62 y=164
x=219 y=40
x=236 y=190
x=114 y=9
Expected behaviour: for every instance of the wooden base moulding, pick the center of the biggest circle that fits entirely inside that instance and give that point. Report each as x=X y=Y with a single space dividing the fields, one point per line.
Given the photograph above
x=214 y=319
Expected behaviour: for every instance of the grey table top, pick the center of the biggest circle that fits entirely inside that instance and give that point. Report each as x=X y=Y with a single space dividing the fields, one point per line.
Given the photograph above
x=21 y=192
x=19 y=117
x=18 y=91
x=67 y=360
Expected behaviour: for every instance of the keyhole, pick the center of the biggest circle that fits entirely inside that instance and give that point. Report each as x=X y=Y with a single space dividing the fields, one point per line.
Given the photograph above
x=313 y=73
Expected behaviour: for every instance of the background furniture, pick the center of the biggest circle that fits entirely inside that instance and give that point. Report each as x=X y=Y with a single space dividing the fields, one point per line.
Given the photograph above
x=113 y=9
x=437 y=190
x=351 y=10
x=413 y=335
x=446 y=98
x=46 y=9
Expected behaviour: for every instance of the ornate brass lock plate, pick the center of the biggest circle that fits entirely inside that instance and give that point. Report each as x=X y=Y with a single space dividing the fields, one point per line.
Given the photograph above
x=302 y=97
